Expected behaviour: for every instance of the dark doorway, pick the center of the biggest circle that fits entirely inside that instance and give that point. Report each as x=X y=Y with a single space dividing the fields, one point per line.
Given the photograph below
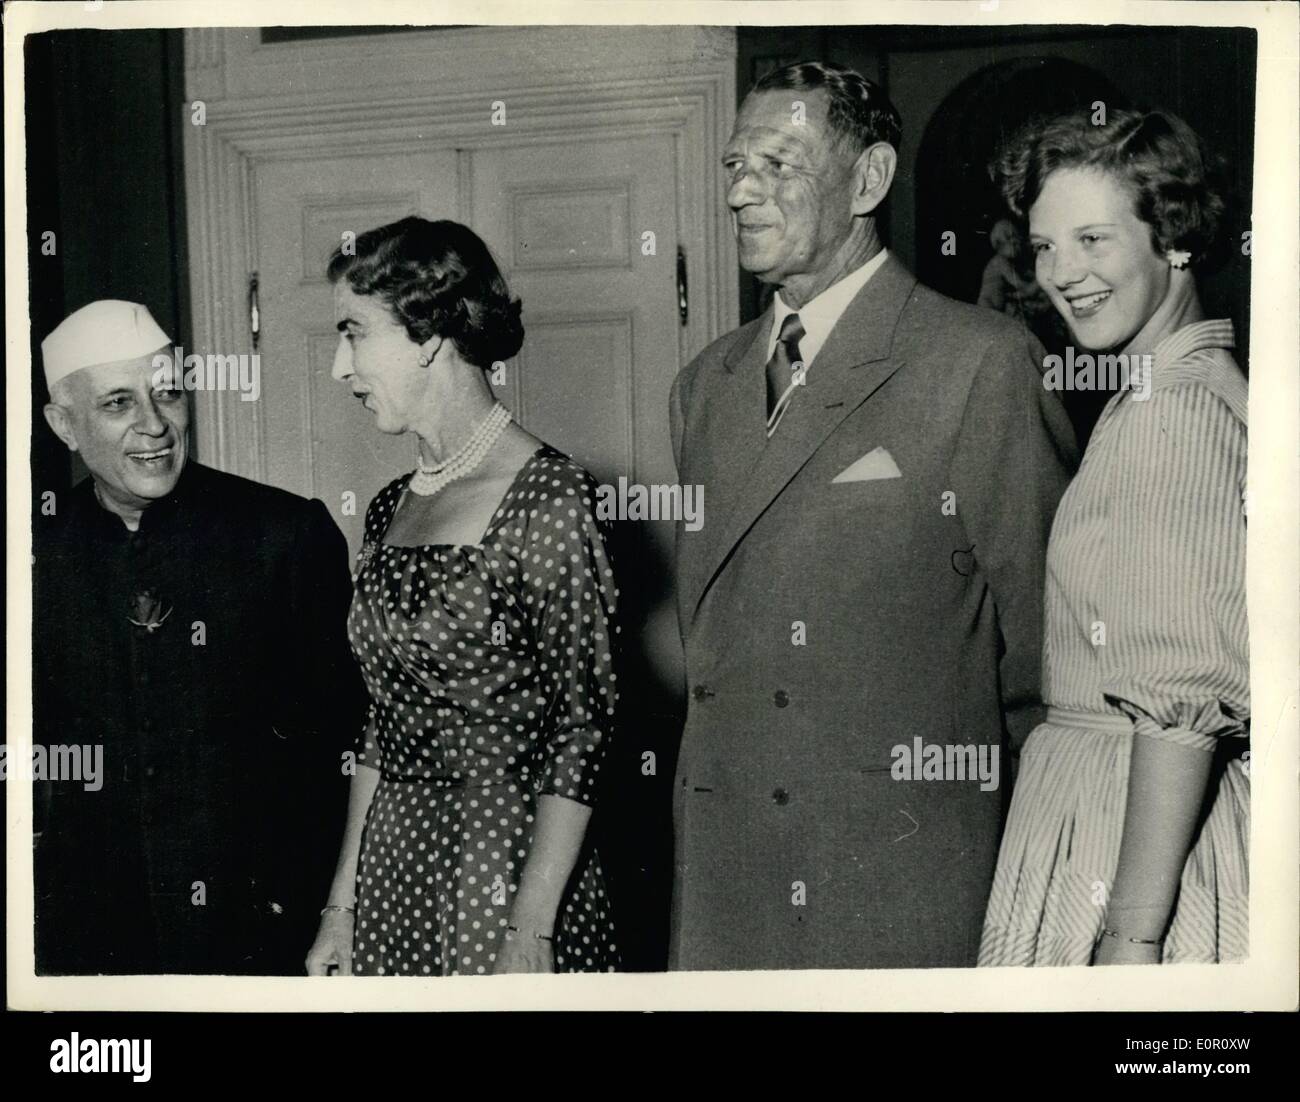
x=953 y=188
x=955 y=191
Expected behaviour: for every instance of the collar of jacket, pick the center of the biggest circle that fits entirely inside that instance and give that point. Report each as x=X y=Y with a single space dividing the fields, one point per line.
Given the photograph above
x=751 y=471
x=154 y=519
x=865 y=331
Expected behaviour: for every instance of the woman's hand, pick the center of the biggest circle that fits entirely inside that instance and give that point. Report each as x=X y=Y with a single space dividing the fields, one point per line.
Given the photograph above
x=332 y=948
x=1119 y=950
x=522 y=952
x=557 y=838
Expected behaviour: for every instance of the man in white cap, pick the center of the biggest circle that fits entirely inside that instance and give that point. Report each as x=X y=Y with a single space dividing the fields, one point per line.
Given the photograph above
x=99 y=366
x=191 y=626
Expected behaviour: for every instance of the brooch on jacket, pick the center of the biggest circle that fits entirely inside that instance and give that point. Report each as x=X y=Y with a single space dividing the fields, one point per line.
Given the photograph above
x=147 y=611
x=364 y=556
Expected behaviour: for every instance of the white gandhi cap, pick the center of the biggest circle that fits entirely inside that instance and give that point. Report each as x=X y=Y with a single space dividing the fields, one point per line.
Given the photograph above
x=104 y=332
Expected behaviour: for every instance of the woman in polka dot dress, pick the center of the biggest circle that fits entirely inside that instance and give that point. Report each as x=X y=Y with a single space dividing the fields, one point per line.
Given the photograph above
x=483 y=619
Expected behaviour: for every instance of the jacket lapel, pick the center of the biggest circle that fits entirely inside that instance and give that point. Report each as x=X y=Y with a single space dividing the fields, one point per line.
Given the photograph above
x=852 y=365
x=738 y=416
x=727 y=444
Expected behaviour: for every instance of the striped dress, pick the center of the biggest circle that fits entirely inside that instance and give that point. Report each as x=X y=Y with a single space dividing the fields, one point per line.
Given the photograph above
x=1146 y=632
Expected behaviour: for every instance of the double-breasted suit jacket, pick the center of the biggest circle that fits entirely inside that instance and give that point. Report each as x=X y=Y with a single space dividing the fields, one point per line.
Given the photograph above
x=828 y=622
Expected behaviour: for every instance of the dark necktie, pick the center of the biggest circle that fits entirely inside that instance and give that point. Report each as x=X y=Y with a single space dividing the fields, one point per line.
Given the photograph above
x=781 y=368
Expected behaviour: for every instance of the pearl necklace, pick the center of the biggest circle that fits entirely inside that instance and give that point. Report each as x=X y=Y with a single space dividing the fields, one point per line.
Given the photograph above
x=427 y=480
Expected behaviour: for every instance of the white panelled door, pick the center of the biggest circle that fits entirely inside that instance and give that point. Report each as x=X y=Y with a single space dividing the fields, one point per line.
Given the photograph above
x=319 y=441
x=587 y=233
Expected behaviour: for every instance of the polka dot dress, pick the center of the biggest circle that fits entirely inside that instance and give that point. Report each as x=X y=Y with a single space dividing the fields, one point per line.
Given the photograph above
x=491 y=683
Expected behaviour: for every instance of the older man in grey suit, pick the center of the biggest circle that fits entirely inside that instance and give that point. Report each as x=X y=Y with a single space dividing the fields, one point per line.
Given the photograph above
x=861 y=608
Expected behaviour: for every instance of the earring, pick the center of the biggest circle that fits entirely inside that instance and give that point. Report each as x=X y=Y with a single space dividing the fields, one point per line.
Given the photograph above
x=426 y=360
x=1178 y=258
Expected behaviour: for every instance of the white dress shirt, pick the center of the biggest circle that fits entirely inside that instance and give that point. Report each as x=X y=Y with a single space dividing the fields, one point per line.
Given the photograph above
x=820 y=314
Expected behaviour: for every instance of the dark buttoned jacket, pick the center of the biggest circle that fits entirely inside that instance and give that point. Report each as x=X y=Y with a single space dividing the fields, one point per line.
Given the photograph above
x=205 y=656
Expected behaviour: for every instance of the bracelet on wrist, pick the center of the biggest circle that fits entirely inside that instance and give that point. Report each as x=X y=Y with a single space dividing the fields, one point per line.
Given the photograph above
x=539 y=937
x=336 y=907
x=1108 y=932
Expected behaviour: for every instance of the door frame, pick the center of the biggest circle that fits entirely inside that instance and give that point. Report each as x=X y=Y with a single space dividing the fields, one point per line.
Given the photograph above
x=264 y=102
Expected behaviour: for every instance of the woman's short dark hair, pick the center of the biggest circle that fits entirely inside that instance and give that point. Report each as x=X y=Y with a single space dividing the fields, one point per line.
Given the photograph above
x=1158 y=157
x=438 y=279
x=859 y=113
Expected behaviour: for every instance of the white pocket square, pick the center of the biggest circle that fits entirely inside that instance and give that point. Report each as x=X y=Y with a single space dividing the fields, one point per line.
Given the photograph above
x=877 y=463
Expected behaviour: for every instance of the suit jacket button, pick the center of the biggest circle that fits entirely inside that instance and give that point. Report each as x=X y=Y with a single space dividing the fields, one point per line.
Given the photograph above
x=781 y=797
x=701 y=692
x=781 y=698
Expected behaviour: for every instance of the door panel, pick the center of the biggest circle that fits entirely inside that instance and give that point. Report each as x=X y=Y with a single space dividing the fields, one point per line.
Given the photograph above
x=319 y=440
x=595 y=351
x=570 y=221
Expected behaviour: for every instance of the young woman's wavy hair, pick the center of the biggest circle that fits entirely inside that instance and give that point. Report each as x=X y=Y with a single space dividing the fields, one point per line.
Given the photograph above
x=1159 y=159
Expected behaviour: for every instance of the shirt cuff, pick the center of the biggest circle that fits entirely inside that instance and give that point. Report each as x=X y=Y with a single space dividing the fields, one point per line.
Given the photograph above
x=1179 y=736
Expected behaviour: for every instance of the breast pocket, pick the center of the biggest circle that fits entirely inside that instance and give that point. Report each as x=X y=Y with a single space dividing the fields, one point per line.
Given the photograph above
x=844 y=517
x=865 y=491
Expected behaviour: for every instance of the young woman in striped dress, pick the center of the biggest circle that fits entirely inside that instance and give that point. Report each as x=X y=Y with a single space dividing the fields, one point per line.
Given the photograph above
x=1127 y=839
